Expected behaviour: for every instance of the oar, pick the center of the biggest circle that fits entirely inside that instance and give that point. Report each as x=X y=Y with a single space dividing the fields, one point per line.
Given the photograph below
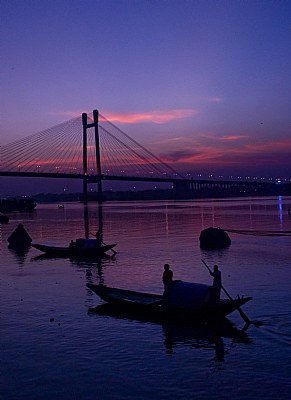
x=242 y=314
x=104 y=244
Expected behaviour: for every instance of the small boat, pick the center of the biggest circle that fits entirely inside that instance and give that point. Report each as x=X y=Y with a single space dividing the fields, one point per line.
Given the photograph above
x=181 y=300
x=79 y=248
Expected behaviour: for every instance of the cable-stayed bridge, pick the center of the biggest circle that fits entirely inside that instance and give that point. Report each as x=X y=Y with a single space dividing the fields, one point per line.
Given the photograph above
x=74 y=150
x=93 y=149
x=60 y=150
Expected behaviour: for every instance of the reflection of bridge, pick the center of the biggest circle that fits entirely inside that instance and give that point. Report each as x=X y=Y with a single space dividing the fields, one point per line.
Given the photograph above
x=109 y=154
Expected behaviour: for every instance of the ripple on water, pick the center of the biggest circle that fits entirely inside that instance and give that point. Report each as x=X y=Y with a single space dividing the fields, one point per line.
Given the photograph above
x=277 y=327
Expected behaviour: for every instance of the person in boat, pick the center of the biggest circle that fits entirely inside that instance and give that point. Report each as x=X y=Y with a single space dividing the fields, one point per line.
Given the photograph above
x=167 y=276
x=216 y=285
x=99 y=238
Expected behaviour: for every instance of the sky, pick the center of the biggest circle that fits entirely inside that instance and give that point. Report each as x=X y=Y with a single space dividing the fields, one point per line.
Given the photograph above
x=204 y=85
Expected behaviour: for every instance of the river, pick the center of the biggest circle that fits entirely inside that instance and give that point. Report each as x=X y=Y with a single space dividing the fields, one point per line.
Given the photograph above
x=54 y=347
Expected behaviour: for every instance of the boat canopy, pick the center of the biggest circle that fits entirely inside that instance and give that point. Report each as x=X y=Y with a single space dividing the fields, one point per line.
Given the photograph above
x=85 y=243
x=186 y=295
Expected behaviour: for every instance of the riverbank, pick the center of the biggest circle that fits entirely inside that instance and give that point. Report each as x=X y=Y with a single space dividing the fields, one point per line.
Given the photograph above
x=271 y=189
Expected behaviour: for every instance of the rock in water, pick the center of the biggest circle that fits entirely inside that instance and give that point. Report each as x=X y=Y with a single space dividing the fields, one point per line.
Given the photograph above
x=214 y=238
x=19 y=238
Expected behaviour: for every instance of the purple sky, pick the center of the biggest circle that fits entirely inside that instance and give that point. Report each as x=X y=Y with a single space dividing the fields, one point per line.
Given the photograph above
x=206 y=85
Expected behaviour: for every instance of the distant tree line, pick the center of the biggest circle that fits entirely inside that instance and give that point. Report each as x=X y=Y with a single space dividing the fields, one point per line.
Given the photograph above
x=270 y=189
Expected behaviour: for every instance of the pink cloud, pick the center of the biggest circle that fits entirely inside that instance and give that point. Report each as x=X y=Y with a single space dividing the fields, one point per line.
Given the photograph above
x=233 y=137
x=157 y=117
x=252 y=154
x=283 y=145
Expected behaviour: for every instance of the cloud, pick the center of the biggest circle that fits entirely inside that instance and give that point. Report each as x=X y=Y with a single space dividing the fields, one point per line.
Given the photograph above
x=269 y=153
x=215 y=99
x=283 y=145
x=233 y=137
x=157 y=117
x=174 y=141
x=211 y=99
x=179 y=155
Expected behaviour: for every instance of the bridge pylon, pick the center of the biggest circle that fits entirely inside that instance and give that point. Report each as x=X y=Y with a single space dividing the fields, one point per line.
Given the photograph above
x=86 y=126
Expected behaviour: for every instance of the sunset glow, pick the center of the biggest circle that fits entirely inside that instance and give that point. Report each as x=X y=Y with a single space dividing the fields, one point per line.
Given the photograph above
x=204 y=86
x=157 y=117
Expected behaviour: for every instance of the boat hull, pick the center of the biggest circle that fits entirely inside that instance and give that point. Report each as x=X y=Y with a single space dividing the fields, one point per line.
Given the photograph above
x=58 y=251
x=154 y=306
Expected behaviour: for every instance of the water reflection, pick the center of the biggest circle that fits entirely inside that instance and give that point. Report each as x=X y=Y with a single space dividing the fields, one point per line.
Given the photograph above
x=19 y=252
x=280 y=209
x=204 y=335
x=95 y=268
x=79 y=260
x=88 y=264
x=100 y=223
x=197 y=334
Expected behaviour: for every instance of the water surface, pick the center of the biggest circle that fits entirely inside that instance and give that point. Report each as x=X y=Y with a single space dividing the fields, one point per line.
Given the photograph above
x=52 y=347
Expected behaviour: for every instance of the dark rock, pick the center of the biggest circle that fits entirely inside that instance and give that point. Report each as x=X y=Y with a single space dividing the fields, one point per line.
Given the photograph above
x=214 y=238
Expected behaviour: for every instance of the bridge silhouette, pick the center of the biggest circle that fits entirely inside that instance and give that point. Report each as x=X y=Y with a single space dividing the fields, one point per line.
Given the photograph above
x=93 y=149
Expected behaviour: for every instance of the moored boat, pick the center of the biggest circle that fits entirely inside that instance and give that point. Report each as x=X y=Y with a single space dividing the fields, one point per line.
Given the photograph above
x=182 y=300
x=77 y=248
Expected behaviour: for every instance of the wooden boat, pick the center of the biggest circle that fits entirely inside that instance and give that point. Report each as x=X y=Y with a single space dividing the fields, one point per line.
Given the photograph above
x=77 y=248
x=182 y=300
